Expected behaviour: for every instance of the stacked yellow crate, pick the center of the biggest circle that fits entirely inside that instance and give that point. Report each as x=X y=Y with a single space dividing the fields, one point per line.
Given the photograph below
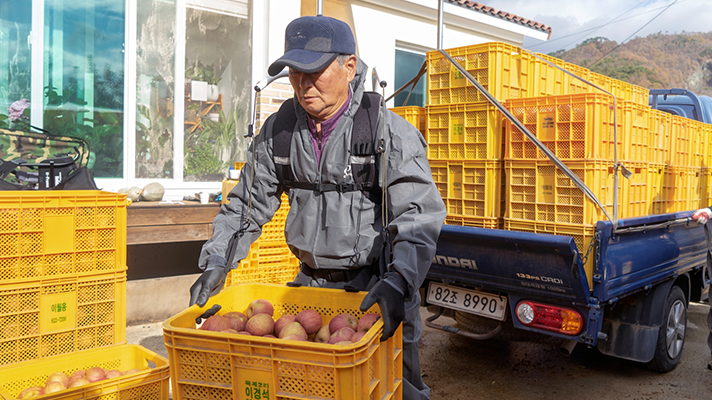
x=464 y=131
x=269 y=259
x=63 y=295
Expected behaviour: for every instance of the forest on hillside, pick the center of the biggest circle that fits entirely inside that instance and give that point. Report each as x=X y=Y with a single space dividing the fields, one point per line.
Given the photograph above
x=656 y=61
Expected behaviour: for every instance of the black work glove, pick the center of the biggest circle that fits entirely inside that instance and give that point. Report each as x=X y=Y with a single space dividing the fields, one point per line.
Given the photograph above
x=389 y=292
x=210 y=280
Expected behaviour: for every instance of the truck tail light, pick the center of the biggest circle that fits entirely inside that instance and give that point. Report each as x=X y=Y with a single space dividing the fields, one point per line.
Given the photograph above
x=549 y=317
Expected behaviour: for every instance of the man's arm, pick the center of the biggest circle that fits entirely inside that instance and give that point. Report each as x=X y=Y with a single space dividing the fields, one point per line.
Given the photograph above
x=415 y=205
x=237 y=226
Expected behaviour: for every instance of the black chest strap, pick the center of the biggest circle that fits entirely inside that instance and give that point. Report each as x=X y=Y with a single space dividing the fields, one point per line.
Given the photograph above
x=363 y=150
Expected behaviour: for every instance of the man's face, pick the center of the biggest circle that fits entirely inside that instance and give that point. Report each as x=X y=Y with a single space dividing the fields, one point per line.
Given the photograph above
x=323 y=93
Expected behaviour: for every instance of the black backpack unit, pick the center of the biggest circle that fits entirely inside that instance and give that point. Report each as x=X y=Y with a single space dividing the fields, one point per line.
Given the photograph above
x=363 y=144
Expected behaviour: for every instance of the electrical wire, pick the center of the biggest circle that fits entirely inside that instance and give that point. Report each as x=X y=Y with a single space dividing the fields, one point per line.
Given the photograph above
x=606 y=24
x=595 y=28
x=632 y=34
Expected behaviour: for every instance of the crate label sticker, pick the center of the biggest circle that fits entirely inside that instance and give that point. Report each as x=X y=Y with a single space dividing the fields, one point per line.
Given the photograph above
x=457 y=79
x=457 y=129
x=547 y=126
x=545 y=188
x=255 y=388
x=58 y=312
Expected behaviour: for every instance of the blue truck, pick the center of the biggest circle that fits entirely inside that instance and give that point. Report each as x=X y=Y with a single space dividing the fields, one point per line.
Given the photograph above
x=631 y=303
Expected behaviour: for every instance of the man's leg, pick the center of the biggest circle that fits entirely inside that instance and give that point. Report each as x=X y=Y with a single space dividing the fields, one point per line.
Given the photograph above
x=413 y=386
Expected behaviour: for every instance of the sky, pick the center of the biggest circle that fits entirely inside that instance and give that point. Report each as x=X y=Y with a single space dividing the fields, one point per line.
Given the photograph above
x=573 y=21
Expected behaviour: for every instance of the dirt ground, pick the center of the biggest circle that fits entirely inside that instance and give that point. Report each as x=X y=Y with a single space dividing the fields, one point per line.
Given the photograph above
x=458 y=368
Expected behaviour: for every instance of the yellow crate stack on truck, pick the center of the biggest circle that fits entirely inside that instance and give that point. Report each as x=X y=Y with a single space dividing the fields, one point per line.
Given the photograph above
x=490 y=175
x=63 y=296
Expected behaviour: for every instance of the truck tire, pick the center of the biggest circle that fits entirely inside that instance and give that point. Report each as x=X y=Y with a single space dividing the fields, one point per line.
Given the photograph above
x=481 y=325
x=671 y=337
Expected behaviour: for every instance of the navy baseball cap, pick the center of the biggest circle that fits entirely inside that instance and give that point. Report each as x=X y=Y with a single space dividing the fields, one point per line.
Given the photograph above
x=312 y=43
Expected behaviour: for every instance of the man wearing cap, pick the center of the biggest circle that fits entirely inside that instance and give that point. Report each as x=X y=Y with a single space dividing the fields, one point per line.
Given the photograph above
x=335 y=225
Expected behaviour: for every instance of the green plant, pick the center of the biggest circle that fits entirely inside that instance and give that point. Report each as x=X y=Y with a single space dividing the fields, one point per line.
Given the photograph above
x=200 y=72
x=201 y=161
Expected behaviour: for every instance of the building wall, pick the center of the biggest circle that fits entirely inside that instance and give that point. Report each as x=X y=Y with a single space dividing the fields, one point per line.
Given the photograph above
x=380 y=27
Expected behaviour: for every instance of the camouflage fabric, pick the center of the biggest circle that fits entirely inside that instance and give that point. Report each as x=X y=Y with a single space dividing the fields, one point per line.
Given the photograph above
x=35 y=147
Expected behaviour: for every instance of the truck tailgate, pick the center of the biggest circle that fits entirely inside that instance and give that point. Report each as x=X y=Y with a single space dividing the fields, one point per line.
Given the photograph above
x=540 y=265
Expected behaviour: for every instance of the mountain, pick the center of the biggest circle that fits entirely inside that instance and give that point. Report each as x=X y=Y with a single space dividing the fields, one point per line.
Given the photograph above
x=655 y=61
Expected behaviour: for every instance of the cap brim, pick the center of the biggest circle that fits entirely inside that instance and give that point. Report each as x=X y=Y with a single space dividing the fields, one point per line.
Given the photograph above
x=303 y=61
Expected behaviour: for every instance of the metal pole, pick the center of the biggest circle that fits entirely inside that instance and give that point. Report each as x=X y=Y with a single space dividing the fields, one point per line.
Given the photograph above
x=319 y=7
x=440 y=24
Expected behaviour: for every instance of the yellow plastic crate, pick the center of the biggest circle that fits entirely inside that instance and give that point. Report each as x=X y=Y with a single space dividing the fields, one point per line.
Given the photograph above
x=501 y=68
x=697 y=195
x=683 y=140
x=55 y=316
x=678 y=186
x=637 y=191
x=538 y=191
x=550 y=81
x=477 y=222
x=212 y=365
x=413 y=114
x=622 y=90
x=150 y=383
x=470 y=131
x=64 y=233
x=572 y=126
x=274 y=229
x=583 y=235
x=575 y=85
x=227 y=186
x=469 y=188
x=659 y=124
x=706 y=139
x=699 y=138
x=267 y=262
x=636 y=130
x=706 y=187
x=657 y=178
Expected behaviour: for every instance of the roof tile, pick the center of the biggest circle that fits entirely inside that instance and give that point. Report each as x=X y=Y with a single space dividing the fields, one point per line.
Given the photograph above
x=502 y=14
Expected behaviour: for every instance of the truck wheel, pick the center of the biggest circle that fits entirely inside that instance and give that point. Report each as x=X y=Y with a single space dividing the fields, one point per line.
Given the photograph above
x=671 y=337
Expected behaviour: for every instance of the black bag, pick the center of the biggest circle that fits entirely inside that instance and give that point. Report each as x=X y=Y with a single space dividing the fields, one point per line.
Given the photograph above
x=32 y=160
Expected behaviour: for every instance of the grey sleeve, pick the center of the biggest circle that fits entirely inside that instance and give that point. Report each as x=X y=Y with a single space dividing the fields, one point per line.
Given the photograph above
x=234 y=223
x=417 y=211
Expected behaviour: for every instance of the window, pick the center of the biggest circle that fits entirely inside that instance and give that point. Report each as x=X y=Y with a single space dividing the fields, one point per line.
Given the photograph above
x=15 y=73
x=74 y=84
x=408 y=64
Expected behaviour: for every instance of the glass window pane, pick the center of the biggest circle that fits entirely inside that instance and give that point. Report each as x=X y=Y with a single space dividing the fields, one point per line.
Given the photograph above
x=217 y=97
x=84 y=78
x=15 y=66
x=407 y=66
x=155 y=64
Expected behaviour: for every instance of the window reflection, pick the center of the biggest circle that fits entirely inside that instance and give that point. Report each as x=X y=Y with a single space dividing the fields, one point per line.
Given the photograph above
x=84 y=78
x=407 y=66
x=155 y=63
x=15 y=67
x=217 y=93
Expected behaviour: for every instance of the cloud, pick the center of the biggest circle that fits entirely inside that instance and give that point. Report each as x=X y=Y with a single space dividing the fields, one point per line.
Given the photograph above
x=573 y=21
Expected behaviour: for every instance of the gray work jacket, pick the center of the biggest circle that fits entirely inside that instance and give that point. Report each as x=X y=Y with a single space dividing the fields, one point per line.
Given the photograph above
x=333 y=230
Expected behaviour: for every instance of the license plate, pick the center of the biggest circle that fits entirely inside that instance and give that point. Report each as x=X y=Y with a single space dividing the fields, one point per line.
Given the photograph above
x=471 y=301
